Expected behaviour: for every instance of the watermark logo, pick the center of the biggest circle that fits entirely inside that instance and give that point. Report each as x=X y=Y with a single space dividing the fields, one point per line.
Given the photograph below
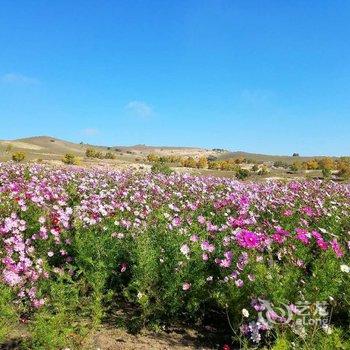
x=303 y=313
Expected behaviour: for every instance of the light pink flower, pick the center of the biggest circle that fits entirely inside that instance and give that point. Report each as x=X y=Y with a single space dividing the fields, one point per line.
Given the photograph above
x=186 y=286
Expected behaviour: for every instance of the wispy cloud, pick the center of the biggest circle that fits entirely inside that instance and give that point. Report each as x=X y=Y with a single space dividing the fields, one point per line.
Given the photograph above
x=139 y=109
x=19 y=79
x=89 y=132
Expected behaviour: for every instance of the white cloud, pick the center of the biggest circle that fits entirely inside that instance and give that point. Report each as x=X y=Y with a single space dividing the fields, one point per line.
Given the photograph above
x=90 y=132
x=139 y=109
x=20 y=79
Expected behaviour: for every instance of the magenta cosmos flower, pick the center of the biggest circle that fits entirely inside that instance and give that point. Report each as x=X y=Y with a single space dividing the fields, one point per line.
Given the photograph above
x=248 y=239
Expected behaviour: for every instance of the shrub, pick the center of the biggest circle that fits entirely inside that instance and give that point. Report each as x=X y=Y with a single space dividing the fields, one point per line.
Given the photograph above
x=189 y=162
x=202 y=163
x=240 y=160
x=69 y=158
x=263 y=170
x=343 y=170
x=215 y=165
x=326 y=163
x=212 y=158
x=242 y=174
x=8 y=313
x=90 y=153
x=228 y=165
x=255 y=168
x=326 y=173
x=152 y=157
x=18 y=156
x=99 y=155
x=280 y=164
x=162 y=168
x=110 y=155
x=312 y=164
x=296 y=166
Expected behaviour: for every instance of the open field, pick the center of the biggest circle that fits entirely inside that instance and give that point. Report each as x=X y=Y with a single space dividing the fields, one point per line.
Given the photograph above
x=98 y=258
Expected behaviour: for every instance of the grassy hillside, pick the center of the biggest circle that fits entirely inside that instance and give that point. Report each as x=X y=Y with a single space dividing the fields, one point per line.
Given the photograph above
x=265 y=157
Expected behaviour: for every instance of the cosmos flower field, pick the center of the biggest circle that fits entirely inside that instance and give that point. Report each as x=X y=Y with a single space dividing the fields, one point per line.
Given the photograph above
x=265 y=264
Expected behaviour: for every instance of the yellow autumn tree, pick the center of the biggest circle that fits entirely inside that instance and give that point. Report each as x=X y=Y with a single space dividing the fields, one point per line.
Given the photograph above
x=202 y=163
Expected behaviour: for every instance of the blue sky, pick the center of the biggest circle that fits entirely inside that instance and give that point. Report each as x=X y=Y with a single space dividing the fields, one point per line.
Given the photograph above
x=259 y=76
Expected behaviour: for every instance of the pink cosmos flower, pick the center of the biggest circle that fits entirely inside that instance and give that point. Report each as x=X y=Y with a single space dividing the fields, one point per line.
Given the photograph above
x=235 y=274
x=322 y=244
x=248 y=239
x=337 y=248
x=287 y=213
x=186 y=286
x=294 y=309
x=123 y=267
x=225 y=263
x=316 y=235
x=239 y=283
x=176 y=221
x=308 y=211
x=37 y=303
x=194 y=238
x=278 y=238
x=272 y=315
x=11 y=278
x=257 y=305
x=206 y=246
x=201 y=219
x=185 y=249
x=302 y=236
x=251 y=277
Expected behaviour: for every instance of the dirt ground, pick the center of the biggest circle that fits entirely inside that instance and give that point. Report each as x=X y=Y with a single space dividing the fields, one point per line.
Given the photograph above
x=119 y=339
x=112 y=338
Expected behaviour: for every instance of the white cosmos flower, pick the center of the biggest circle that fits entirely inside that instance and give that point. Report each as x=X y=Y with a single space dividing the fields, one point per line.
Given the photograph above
x=345 y=268
x=245 y=312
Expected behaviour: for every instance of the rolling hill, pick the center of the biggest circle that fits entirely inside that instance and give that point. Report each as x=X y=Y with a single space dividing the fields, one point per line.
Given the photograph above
x=50 y=148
